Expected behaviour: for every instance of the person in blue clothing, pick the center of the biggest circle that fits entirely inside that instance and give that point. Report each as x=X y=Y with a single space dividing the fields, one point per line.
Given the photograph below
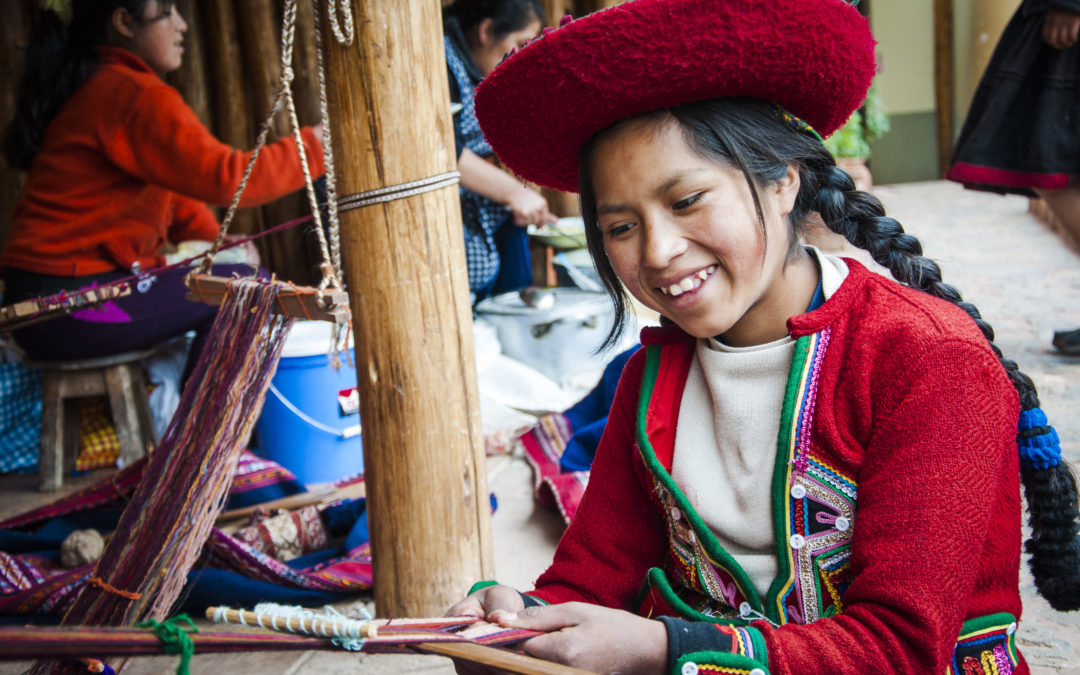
x=495 y=206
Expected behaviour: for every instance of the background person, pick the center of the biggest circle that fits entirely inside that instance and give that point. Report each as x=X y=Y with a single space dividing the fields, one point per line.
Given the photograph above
x=1020 y=134
x=119 y=166
x=495 y=206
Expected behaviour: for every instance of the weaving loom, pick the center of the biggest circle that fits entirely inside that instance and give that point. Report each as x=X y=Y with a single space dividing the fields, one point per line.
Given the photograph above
x=462 y=638
x=141 y=573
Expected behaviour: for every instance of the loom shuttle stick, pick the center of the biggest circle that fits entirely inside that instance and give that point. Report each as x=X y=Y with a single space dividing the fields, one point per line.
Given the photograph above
x=32 y=642
x=498 y=658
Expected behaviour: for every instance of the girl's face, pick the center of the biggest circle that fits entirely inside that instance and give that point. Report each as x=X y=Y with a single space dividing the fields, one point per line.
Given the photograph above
x=487 y=50
x=682 y=234
x=157 y=38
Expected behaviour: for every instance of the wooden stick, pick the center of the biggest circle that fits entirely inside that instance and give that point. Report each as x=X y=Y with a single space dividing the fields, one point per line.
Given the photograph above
x=301 y=302
x=354 y=491
x=33 y=311
x=290 y=502
x=498 y=658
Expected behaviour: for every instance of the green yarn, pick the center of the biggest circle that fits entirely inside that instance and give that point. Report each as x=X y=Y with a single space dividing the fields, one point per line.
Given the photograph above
x=175 y=638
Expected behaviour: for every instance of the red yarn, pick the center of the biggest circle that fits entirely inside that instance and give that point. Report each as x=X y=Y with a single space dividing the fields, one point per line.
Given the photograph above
x=813 y=57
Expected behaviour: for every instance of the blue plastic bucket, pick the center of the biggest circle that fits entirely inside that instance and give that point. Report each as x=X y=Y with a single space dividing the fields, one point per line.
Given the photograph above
x=302 y=426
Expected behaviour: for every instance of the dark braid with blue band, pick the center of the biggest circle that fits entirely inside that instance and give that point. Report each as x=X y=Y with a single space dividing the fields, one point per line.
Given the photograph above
x=1037 y=441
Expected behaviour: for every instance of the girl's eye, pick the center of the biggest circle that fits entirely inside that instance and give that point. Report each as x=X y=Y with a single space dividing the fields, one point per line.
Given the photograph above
x=686 y=203
x=616 y=230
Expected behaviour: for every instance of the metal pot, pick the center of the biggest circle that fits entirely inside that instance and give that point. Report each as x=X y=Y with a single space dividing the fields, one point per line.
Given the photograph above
x=558 y=339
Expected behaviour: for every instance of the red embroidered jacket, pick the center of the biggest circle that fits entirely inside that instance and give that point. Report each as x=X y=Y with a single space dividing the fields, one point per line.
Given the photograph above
x=896 y=501
x=125 y=166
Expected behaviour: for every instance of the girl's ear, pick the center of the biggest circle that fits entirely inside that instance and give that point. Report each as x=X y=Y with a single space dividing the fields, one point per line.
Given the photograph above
x=787 y=189
x=122 y=23
x=485 y=31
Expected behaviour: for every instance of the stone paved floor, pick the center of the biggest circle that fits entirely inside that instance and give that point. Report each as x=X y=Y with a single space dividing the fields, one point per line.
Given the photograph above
x=1025 y=282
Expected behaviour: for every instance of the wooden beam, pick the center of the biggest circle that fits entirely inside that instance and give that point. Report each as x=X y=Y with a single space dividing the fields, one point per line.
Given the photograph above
x=943 y=81
x=301 y=302
x=404 y=260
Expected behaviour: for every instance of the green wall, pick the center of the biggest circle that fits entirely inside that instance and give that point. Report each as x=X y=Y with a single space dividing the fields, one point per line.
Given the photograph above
x=908 y=153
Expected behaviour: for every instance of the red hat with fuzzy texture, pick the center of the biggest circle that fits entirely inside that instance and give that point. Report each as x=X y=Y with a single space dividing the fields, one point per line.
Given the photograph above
x=539 y=106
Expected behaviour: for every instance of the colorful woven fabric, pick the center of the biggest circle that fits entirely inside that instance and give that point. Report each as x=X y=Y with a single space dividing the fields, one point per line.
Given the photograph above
x=287 y=535
x=20 y=418
x=98 y=444
x=544 y=445
x=260 y=480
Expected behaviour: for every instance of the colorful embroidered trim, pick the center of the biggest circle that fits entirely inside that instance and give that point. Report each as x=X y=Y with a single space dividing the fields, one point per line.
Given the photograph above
x=698 y=541
x=813 y=504
x=795 y=122
x=1037 y=441
x=718 y=663
x=986 y=646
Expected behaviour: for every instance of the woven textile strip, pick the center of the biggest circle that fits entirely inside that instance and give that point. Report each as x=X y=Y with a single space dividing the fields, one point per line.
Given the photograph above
x=162 y=531
x=544 y=444
x=395 y=636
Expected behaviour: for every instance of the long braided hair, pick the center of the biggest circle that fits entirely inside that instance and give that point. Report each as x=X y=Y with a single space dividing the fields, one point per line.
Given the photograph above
x=752 y=136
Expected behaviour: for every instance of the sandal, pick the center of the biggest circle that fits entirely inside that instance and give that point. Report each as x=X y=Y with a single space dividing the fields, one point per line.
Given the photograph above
x=1067 y=342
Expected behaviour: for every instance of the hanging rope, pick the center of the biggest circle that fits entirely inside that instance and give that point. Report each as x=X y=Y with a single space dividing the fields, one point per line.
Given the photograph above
x=331 y=273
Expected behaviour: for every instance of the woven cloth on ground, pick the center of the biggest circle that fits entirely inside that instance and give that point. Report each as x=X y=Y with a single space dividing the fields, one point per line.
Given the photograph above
x=230 y=571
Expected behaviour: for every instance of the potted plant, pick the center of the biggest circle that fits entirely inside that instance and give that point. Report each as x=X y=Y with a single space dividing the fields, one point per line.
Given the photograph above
x=850 y=144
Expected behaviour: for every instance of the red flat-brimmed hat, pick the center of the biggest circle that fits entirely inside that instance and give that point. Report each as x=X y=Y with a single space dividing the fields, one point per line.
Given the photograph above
x=815 y=58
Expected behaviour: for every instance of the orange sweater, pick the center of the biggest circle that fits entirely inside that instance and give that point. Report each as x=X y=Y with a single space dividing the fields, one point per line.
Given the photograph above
x=126 y=166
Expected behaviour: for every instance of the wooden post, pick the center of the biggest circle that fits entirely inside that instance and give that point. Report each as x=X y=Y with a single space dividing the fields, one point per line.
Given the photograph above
x=190 y=79
x=405 y=271
x=943 y=81
x=229 y=98
x=14 y=36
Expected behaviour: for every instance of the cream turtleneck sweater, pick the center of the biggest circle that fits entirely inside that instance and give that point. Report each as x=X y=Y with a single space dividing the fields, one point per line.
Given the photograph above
x=725 y=443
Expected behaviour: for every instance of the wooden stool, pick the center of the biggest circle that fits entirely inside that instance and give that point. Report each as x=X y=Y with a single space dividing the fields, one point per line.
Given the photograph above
x=119 y=376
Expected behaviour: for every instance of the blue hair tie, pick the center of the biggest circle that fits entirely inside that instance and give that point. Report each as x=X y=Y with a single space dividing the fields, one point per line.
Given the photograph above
x=1042 y=451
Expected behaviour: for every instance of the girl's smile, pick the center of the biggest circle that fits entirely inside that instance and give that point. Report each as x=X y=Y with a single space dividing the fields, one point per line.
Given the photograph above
x=683 y=235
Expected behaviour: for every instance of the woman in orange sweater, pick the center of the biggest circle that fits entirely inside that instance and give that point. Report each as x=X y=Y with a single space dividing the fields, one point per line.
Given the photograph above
x=118 y=166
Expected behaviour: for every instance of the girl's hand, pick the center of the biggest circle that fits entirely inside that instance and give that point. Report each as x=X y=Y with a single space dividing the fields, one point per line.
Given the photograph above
x=1061 y=28
x=482 y=604
x=530 y=208
x=594 y=638
x=485 y=601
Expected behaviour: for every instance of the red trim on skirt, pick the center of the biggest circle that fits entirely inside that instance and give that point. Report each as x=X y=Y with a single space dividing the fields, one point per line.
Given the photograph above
x=963 y=172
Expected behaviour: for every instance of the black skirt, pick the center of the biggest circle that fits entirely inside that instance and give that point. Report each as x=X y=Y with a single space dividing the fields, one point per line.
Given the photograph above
x=1023 y=128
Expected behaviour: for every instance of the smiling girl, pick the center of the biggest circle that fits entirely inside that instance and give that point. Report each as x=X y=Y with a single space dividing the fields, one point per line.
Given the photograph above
x=118 y=166
x=809 y=468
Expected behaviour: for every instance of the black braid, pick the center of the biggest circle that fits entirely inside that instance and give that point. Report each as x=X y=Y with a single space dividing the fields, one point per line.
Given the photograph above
x=1051 y=493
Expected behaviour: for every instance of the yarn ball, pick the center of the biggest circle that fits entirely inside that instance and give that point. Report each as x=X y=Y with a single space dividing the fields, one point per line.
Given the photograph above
x=815 y=58
x=81 y=547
